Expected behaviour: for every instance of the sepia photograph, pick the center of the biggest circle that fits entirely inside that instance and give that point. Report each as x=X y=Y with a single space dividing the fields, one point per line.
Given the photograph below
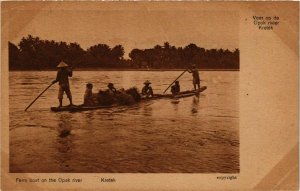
x=105 y=91
x=136 y=95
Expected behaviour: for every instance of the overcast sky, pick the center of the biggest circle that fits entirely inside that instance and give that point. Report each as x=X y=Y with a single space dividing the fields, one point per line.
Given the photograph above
x=135 y=28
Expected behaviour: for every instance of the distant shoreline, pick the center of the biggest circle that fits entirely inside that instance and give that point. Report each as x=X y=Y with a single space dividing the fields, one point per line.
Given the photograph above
x=112 y=69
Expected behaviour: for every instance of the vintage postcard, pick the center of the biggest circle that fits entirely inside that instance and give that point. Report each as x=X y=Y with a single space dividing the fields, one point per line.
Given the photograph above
x=149 y=95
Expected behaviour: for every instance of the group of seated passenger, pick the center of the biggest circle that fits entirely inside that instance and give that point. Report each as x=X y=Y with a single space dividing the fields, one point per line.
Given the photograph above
x=122 y=96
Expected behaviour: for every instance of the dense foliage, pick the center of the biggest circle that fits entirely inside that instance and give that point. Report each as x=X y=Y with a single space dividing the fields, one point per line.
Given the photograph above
x=32 y=53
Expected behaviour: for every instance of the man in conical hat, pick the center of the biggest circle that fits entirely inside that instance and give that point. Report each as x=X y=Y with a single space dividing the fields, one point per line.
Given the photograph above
x=147 y=90
x=62 y=78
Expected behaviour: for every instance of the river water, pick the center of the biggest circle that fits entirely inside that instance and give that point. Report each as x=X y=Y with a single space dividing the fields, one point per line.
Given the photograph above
x=196 y=134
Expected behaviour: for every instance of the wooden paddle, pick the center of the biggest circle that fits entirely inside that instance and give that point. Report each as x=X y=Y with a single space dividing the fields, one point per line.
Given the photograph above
x=38 y=96
x=176 y=80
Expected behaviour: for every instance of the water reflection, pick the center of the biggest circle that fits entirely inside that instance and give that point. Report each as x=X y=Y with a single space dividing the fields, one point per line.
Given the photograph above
x=64 y=140
x=131 y=139
x=175 y=103
x=195 y=104
x=64 y=125
x=89 y=118
x=147 y=110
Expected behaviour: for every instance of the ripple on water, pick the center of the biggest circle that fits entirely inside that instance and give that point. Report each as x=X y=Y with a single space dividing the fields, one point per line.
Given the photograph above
x=197 y=135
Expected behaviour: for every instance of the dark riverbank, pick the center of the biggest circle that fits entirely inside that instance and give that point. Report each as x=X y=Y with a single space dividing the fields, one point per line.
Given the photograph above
x=35 y=53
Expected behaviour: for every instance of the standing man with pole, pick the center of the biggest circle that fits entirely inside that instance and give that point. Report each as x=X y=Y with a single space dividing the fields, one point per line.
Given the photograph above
x=196 y=76
x=62 y=78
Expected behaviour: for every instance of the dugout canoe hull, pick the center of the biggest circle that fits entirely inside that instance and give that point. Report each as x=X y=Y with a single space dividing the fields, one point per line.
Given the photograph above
x=76 y=108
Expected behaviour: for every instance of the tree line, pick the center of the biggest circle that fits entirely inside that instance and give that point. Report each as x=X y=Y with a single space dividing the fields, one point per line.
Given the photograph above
x=33 y=53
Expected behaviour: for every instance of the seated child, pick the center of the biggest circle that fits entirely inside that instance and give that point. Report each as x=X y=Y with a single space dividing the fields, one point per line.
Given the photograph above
x=111 y=89
x=88 y=95
x=175 y=89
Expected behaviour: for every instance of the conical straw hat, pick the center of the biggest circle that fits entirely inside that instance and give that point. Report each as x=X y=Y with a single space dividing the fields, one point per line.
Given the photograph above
x=62 y=65
x=147 y=82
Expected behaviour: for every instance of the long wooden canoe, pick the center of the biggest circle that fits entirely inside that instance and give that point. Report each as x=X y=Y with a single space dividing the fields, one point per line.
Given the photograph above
x=75 y=108
x=78 y=108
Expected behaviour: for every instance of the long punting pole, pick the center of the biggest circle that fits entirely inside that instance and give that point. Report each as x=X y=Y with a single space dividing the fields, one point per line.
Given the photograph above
x=175 y=80
x=38 y=96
